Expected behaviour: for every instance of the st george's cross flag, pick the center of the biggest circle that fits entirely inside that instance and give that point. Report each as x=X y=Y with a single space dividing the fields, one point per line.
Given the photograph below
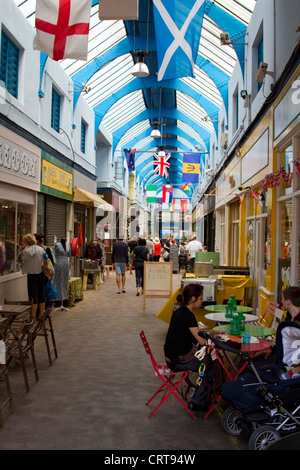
x=178 y=27
x=62 y=28
x=161 y=165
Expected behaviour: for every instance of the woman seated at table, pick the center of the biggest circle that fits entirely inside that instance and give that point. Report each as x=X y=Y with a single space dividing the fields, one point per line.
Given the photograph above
x=183 y=338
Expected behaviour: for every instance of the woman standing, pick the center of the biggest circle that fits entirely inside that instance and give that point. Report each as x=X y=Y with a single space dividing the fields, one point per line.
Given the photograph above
x=61 y=275
x=140 y=254
x=156 y=249
x=32 y=258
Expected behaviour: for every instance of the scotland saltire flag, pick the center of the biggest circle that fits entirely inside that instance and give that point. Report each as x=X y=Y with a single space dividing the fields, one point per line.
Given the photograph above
x=177 y=30
x=161 y=165
x=130 y=159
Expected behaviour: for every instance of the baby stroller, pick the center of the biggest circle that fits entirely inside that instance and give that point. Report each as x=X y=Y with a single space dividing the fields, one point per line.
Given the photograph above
x=264 y=407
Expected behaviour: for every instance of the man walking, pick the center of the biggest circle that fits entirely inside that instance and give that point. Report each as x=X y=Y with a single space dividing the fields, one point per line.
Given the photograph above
x=191 y=249
x=119 y=258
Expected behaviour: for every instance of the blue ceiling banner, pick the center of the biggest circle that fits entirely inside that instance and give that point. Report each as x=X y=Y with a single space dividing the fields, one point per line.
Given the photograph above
x=177 y=30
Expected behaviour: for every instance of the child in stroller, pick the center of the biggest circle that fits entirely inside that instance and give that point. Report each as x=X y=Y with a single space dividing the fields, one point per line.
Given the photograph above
x=266 y=399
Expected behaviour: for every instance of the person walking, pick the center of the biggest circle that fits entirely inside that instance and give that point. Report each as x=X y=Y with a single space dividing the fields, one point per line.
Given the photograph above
x=191 y=249
x=119 y=258
x=156 y=249
x=140 y=254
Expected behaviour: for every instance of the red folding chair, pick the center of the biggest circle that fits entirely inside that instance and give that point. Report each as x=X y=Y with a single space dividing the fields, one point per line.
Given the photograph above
x=170 y=380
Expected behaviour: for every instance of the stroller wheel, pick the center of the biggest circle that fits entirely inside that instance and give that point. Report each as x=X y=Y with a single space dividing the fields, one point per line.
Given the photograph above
x=262 y=437
x=230 y=421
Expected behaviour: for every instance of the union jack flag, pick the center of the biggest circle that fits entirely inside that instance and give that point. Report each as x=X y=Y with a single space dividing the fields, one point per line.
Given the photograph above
x=161 y=165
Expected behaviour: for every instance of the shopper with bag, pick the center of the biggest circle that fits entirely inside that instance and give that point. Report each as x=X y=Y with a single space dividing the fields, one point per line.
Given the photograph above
x=32 y=258
x=47 y=267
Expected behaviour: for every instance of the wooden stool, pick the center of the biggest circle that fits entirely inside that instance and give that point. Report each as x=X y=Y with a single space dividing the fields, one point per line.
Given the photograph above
x=95 y=274
x=108 y=267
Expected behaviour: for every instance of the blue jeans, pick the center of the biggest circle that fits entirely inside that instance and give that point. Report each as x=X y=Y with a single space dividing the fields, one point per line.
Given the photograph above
x=139 y=274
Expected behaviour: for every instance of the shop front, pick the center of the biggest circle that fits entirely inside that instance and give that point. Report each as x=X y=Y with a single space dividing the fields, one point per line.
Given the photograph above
x=55 y=213
x=286 y=175
x=20 y=183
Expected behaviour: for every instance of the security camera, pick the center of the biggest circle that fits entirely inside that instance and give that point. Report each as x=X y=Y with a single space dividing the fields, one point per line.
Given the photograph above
x=224 y=39
x=244 y=94
x=262 y=72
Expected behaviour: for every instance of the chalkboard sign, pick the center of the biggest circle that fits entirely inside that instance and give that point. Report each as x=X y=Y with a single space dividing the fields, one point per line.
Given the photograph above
x=157 y=280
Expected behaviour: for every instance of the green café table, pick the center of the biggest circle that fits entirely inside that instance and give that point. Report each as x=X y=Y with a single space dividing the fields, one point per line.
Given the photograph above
x=222 y=308
x=252 y=330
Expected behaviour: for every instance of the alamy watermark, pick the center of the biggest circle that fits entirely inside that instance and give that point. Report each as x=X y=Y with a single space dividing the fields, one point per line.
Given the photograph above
x=296 y=93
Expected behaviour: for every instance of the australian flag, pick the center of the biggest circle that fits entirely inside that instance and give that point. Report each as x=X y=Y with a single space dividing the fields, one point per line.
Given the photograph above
x=130 y=159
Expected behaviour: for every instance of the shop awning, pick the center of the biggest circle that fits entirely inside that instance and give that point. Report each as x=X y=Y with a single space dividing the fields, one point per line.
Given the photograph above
x=85 y=197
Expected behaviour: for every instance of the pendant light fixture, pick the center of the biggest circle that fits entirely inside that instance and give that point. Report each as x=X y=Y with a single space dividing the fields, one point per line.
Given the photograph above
x=155 y=134
x=140 y=69
x=161 y=152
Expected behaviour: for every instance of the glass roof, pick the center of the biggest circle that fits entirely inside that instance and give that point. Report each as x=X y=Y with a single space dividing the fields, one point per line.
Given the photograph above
x=183 y=115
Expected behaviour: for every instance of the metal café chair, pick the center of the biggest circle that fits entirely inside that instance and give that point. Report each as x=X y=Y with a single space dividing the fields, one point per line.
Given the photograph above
x=170 y=380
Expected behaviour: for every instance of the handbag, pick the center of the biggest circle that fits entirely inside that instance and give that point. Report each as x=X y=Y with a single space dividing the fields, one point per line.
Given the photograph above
x=189 y=356
x=47 y=266
x=165 y=254
x=51 y=292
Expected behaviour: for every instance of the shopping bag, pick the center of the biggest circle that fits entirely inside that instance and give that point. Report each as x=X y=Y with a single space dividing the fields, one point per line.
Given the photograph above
x=47 y=266
x=51 y=292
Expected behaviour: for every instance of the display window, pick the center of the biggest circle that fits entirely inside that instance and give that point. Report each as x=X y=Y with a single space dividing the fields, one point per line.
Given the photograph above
x=15 y=222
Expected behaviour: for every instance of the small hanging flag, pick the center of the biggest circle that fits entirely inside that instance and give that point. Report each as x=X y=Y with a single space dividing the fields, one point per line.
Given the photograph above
x=130 y=159
x=151 y=193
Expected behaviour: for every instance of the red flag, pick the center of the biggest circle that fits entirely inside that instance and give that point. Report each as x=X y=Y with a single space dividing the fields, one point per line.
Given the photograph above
x=167 y=194
x=62 y=28
x=183 y=205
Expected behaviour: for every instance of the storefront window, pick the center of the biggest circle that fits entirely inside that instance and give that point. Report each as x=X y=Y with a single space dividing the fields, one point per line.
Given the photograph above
x=286 y=230
x=287 y=166
x=15 y=222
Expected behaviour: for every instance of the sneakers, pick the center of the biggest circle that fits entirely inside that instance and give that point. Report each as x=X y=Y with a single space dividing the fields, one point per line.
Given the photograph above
x=119 y=292
x=123 y=290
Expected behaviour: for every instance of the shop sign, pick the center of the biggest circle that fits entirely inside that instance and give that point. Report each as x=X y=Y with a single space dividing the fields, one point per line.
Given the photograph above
x=56 y=179
x=17 y=161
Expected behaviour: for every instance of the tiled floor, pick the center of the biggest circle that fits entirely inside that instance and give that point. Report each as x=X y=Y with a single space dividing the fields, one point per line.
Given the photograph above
x=93 y=397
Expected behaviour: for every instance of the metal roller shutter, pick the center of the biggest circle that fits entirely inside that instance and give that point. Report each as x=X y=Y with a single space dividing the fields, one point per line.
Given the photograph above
x=55 y=219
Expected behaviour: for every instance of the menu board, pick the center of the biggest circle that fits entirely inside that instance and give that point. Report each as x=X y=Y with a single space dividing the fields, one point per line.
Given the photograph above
x=157 y=280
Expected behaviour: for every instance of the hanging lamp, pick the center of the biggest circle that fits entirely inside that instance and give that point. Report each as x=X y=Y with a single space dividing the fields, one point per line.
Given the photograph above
x=155 y=134
x=140 y=69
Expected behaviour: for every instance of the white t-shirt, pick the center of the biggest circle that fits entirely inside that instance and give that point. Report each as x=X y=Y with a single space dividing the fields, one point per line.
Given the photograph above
x=194 y=246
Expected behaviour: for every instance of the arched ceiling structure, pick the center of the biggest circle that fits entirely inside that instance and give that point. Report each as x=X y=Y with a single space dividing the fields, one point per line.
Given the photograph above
x=126 y=106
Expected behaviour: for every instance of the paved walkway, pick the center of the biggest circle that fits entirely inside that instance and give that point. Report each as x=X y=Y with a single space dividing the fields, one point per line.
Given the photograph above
x=93 y=397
